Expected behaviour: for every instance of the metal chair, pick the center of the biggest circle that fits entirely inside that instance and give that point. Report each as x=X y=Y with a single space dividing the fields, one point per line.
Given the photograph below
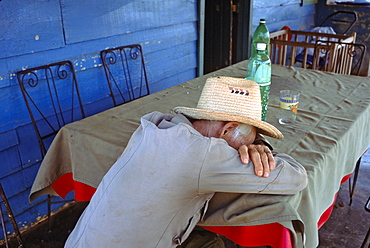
x=351 y=185
x=367 y=208
x=339 y=57
x=53 y=100
x=340 y=21
x=10 y=215
x=125 y=72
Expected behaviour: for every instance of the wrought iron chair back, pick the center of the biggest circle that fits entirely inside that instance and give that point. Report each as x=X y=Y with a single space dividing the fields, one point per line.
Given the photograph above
x=125 y=72
x=339 y=57
x=341 y=21
x=52 y=98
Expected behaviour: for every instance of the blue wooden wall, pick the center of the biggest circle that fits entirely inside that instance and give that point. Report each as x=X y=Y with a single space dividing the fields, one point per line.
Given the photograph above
x=38 y=32
x=280 y=13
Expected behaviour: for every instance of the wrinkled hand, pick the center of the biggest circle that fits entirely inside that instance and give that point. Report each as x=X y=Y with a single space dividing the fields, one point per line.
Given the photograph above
x=261 y=157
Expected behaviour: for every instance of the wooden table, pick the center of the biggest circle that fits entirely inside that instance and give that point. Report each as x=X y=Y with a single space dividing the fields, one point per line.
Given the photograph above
x=330 y=134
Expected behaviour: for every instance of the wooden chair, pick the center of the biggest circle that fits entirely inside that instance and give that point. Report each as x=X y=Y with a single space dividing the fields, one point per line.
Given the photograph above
x=339 y=57
x=53 y=100
x=125 y=72
x=286 y=44
x=9 y=214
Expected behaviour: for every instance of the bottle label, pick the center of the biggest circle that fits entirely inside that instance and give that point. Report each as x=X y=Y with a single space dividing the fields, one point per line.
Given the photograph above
x=263 y=73
x=264 y=84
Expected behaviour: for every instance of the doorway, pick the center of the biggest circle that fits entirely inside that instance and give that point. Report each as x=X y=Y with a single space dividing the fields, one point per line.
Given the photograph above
x=227 y=28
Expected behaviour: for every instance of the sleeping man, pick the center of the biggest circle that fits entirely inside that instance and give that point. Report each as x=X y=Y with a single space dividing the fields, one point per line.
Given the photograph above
x=159 y=188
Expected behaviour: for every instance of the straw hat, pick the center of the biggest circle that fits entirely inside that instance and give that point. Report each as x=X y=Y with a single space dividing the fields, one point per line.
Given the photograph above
x=231 y=99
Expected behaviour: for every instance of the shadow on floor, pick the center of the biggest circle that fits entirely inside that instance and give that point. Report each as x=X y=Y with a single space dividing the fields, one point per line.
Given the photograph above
x=62 y=224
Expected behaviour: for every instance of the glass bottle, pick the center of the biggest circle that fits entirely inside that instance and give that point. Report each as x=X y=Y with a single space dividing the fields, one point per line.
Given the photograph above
x=259 y=70
x=261 y=35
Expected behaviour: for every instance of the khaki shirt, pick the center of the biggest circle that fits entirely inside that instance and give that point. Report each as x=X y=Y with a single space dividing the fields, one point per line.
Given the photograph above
x=160 y=186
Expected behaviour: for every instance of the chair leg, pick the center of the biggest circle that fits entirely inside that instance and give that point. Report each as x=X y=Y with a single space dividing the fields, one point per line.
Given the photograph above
x=11 y=217
x=366 y=238
x=49 y=212
x=50 y=202
x=355 y=175
x=3 y=226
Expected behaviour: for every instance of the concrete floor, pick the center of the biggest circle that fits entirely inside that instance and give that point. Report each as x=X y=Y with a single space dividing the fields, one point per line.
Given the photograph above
x=346 y=227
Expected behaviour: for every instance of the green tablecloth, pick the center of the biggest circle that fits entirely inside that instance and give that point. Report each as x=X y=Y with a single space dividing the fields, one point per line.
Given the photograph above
x=330 y=134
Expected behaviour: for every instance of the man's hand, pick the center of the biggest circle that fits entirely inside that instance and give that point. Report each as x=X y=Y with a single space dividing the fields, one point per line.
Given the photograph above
x=261 y=157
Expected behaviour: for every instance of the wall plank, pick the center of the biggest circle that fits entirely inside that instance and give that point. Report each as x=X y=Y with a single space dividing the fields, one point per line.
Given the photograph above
x=257 y=4
x=10 y=162
x=29 y=26
x=116 y=17
x=13 y=111
x=86 y=55
x=294 y=15
x=8 y=139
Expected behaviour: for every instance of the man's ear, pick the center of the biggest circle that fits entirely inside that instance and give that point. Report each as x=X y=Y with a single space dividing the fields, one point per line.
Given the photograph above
x=228 y=128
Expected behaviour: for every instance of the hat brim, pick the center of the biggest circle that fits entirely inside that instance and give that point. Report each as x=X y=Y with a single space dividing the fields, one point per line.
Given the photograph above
x=263 y=127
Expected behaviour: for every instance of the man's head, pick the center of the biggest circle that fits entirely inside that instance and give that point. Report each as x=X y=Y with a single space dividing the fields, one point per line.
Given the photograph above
x=231 y=100
x=235 y=133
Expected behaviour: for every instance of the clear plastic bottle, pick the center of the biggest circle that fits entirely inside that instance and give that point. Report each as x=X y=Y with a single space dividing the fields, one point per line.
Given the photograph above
x=261 y=35
x=259 y=70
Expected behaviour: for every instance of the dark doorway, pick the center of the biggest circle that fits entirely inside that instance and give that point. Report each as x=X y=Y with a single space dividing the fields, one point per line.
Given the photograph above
x=227 y=33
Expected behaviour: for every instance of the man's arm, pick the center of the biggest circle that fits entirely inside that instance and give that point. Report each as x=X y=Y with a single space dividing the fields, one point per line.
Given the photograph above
x=223 y=172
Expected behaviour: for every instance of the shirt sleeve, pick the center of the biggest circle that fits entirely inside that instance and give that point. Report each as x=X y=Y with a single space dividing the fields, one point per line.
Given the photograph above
x=223 y=171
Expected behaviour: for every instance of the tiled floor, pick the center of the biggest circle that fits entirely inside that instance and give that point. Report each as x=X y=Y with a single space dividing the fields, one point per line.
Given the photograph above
x=346 y=227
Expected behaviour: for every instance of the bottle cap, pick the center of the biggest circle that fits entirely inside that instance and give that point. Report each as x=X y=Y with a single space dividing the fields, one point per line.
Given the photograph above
x=262 y=20
x=261 y=46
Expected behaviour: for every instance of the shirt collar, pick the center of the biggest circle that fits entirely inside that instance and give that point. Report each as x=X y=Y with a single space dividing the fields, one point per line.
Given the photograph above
x=177 y=119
